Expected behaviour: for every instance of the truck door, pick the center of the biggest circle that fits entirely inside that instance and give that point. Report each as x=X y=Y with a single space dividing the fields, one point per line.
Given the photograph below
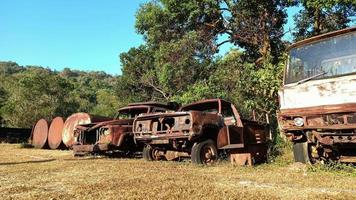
x=231 y=135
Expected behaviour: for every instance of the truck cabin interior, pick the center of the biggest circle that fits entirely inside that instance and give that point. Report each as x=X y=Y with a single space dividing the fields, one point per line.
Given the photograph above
x=131 y=112
x=215 y=106
x=178 y=123
x=203 y=106
x=135 y=109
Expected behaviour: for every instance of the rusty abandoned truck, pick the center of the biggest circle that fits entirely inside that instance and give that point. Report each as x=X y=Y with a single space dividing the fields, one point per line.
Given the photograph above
x=318 y=99
x=201 y=130
x=115 y=135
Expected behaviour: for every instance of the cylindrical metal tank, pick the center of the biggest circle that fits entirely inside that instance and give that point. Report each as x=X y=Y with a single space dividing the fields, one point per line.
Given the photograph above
x=39 y=134
x=74 y=120
x=55 y=133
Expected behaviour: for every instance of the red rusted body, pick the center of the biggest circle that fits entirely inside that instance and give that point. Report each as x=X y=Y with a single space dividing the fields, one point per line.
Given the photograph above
x=116 y=134
x=250 y=154
x=55 y=133
x=201 y=129
x=39 y=134
x=74 y=120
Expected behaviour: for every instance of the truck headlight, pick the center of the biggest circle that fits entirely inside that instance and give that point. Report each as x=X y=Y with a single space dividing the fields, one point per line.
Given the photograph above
x=298 y=121
x=139 y=128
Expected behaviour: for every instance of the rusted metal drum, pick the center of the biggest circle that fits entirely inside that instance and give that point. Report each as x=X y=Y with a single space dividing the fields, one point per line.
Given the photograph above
x=74 y=120
x=39 y=134
x=55 y=133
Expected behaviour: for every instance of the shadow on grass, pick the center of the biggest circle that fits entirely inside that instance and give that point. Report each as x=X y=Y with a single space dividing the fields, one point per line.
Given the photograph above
x=25 y=162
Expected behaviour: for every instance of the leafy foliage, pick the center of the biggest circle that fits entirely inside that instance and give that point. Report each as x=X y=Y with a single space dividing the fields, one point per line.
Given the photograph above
x=322 y=16
x=255 y=25
x=166 y=72
x=30 y=93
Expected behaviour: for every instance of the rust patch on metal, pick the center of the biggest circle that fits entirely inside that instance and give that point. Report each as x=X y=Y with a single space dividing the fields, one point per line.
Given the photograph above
x=318 y=110
x=55 y=133
x=40 y=133
x=251 y=154
x=74 y=120
x=334 y=121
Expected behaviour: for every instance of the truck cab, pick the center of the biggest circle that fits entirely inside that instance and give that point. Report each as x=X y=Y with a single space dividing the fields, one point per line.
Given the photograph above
x=318 y=97
x=199 y=130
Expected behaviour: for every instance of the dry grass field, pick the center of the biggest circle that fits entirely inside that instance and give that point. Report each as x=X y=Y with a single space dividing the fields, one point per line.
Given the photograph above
x=48 y=174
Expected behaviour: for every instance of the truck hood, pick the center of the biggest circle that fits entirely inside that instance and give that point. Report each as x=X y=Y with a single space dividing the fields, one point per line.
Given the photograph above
x=90 y=127
x=155 y=115
x=176 y=122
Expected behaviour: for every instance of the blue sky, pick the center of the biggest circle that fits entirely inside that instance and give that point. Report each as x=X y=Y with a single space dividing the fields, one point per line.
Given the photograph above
x=80 y=34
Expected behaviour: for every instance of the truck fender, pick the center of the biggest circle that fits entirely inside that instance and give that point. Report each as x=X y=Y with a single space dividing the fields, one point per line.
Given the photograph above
x=222 y=139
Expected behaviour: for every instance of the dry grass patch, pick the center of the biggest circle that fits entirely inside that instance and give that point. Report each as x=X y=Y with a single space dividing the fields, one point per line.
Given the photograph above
x=48 y=174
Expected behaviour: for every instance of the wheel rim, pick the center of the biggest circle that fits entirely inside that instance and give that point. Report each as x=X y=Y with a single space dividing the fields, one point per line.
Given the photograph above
x=208 y=155
x=155 y=154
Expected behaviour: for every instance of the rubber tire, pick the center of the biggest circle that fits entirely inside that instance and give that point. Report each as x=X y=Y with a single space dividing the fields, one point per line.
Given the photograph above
x=147 y=153
x=300 y=151
x=197 y=148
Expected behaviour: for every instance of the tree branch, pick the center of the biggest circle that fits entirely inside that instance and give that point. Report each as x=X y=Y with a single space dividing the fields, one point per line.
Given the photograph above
x=158 y=90
x=225 y=9
x=221 y=43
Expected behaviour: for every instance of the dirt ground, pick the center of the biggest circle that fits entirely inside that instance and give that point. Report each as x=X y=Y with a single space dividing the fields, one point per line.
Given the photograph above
x=54 y=174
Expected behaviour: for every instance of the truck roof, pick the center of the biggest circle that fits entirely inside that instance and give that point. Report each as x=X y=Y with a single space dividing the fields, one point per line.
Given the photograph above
x=204 y=101
x=322 y=36
x=170 y=105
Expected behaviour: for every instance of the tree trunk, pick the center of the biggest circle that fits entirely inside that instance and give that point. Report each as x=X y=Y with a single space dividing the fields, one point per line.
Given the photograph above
x=317 y=23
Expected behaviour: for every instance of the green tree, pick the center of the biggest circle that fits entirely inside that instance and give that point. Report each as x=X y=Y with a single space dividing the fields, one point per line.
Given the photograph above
x=85 y=88
x=249 y=86
x=178 y=61
x=166 y=20
x=33 y=94
x=107 y=103
x=255 y=25
x=166 y=72
x=322 y=16
x=8 y=68
x=138 y=75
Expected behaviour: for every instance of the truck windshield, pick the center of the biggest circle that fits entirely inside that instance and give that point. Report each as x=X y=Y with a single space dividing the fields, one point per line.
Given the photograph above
x=330 y=57
x=204 y=107
x=130 y=113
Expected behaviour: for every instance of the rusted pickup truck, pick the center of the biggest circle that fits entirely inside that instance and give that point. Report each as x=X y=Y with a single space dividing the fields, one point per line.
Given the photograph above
x=115 y=135
x=200 y=130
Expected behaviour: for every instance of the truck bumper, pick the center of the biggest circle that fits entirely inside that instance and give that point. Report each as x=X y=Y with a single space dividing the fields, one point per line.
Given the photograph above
x=90 y=148
x=161 y=137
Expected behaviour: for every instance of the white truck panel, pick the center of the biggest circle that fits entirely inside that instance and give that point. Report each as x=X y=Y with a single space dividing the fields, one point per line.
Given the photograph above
x=331 y=91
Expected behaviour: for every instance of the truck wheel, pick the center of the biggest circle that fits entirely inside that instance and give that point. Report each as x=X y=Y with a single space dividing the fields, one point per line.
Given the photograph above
x=204 y=152
x=150 y=153
x=300 y=151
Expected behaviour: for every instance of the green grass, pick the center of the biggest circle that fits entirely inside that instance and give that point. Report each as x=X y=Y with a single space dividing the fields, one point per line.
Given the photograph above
x=49 y=174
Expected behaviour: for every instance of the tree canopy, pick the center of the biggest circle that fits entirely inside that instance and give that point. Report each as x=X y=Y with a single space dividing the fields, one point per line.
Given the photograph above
x=30 y=93
x=322 y=16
